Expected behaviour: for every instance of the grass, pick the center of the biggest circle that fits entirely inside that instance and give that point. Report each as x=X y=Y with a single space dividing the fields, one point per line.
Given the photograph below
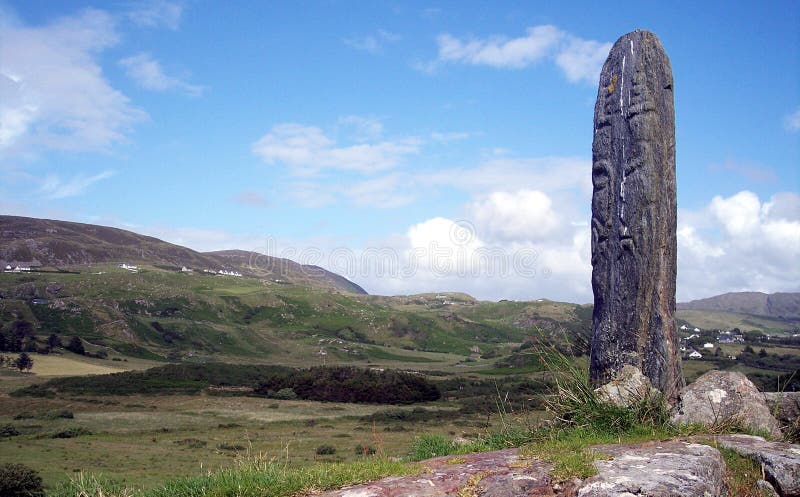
x=250 y=477
x=742 y=475
x=69 y=364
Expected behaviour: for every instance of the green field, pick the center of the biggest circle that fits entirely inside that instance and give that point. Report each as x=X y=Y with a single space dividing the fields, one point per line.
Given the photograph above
x=476 y=352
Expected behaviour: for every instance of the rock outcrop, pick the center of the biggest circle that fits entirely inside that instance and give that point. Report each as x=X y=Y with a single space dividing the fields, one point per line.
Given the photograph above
x=628 y=388
x=785 y=406
x=781 y=461
x=653 y=469
x=721 y=397
x=490 y=474
x=634 y=210
x=659 y=469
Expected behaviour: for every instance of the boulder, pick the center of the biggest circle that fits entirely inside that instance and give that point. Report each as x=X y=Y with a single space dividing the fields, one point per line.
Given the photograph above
x=657 y=469
x=781 y=461
x=489 y=474
x=628 y=388
x=721 y=397
x=785 y=406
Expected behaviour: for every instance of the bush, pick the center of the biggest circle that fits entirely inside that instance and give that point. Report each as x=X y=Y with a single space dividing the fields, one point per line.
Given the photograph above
x=285 y=394
x=229 y=446
x=62 y=414
x=71 y=433
x=192 y=443
x=364 y=450
x=23 y=362
x=17 y=480
x=326 y=449
x=428 y=446
x=75 y=345
x=8 y=431
x=351 y=384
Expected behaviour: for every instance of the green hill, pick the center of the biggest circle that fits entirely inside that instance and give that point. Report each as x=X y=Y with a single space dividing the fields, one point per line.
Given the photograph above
x=44 y=243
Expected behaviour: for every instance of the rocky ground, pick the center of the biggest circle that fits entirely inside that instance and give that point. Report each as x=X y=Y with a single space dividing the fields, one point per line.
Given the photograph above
x=686 y=468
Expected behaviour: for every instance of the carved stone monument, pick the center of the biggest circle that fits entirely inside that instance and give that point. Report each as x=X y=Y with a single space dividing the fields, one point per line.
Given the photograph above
x=634 y=210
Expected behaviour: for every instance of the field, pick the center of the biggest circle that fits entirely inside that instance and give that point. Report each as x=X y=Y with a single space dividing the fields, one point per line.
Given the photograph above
x=477 y=353
x=143 y=440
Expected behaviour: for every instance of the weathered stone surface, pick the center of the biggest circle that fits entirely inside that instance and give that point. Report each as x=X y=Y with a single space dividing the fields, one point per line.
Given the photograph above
x=629 y=387
x=781 y=461
x=719 y=397
x=634 y=209
x=657 y=469
x=785 y=406
x=490 y=474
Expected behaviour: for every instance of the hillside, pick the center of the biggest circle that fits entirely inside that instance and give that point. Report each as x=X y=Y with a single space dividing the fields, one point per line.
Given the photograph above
x=163 y=314
x=60 y=244
x=776 y=305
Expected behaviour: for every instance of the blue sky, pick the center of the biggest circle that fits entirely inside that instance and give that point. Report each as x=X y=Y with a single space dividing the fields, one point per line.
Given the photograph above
x=332 y=131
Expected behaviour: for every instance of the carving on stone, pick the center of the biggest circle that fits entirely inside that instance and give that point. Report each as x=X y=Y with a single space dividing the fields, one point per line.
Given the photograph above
x=634 y=210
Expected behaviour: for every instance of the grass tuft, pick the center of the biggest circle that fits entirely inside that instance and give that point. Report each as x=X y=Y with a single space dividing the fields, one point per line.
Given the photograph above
x=250 y=477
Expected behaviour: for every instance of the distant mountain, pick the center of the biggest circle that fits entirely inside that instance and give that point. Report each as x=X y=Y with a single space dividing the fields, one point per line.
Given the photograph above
x=49 y=243
x=775 y=305
x=266 y=266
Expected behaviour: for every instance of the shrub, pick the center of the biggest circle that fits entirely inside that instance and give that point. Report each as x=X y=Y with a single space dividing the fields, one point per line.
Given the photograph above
x=23 y=362
x=364 y=450
x=229 y=446
x=8 y=431
x=78 y=431
x=428 y=446
x=62 y=414
x=17 y=480
x=192 y=443
x=75 y=345
x=285 y=394
x=326 y=449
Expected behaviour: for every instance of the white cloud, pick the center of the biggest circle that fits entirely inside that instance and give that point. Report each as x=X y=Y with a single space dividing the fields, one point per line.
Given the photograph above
x=792 y=121
x=740 y=243
x=525 y=215
x=579 y=59
x=52 y=90
x=450 y=137
x=739 y=214
x=149 y=74
x=55 y=188
x=385 y=192
x=364 y=128
x=582 y=59
x=157 y=14
x=373 y=43
x=307 y=150
x=547 y=174
x=499 y=51
x=251 y=198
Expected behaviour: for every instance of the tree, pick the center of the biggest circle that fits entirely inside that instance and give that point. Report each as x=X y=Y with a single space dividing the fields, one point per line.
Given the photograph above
x=53 y=341
x=762 y=353
x=3 y=342
x=22 y=328
x=17 y=480
x=23 y=362
x=76 y=345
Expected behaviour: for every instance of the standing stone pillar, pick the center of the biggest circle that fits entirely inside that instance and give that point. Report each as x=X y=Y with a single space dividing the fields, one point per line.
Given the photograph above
x=634 y=211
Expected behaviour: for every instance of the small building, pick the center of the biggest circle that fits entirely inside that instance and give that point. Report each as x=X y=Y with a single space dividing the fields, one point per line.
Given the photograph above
x=697 y=330
x=695 y=355
x=708 y=345
x=185 y=269
x=9 y=268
